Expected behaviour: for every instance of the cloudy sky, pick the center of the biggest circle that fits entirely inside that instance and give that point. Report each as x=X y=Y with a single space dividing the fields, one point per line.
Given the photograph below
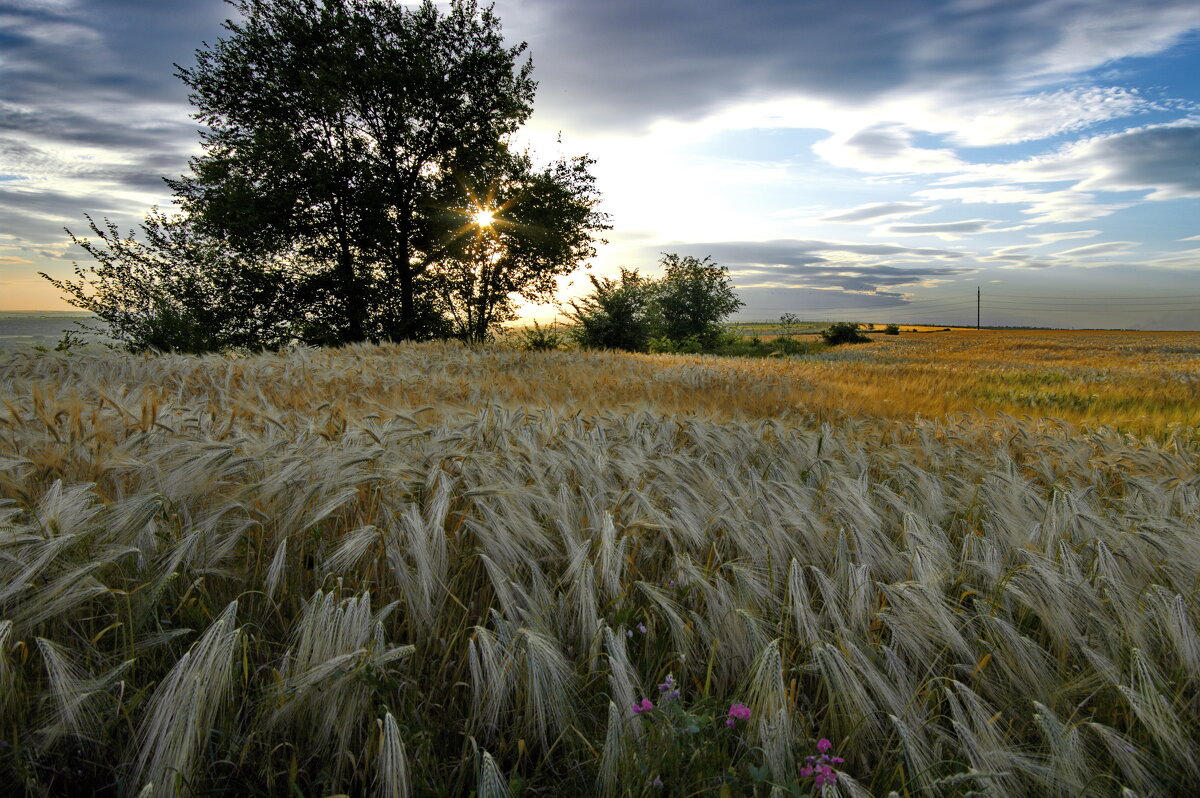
x=866 y=159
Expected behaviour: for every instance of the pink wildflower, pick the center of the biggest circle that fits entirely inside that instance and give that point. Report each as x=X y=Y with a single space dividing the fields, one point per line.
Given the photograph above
x=737 y=712
x=645 y=706
x=823 y=745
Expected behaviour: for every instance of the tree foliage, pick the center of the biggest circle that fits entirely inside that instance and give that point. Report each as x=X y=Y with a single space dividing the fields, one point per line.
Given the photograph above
x=844 y=332
x=352 y=138
x=542 y=226
x=683 y=310
x=615 y=315
x=692 y=299
x=180 y=290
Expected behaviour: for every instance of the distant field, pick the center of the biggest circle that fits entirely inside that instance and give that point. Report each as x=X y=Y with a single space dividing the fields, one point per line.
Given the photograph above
x=457 y=571
x=37 y=328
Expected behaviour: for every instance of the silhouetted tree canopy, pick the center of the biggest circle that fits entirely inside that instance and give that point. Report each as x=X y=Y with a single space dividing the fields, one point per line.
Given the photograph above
x=178 y=290
x=350 y=143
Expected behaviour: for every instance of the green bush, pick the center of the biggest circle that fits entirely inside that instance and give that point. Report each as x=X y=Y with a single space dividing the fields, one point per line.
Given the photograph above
x=540 y=339
x=891 y=329
x=843 y=332
x=683 y=312
x=614 y=315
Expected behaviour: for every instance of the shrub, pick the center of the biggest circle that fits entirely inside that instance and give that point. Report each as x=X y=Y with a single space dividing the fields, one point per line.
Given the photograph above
x=540 y=339
x=891 y=329
x=614 y=315
x=843 y=332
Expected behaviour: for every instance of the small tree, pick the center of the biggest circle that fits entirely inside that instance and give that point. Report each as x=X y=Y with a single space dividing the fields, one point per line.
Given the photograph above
x=891 y=329
x=692 y=299
x=178 y=290
x=788 y=323
x=614 y=315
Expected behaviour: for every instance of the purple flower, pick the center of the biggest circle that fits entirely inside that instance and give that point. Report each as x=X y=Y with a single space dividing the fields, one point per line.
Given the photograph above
x=641 y=627
x=655 y=782
x=668 y=688
x=823 y=745
x=737 y=712
x=645 y=706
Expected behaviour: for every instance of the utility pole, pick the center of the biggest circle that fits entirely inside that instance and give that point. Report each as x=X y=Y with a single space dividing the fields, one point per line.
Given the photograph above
x=977 y=300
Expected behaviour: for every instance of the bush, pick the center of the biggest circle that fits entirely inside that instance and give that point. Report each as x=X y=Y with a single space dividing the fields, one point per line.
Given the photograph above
x=891 y=329
x=683 y=312
x=843 y=332
x=614 y=316
x=540 y=339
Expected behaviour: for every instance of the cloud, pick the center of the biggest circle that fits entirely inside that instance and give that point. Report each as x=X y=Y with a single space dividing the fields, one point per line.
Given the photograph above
x=822 y=264
x=1097 y=250
x=885 y=148
x=1065 y=206
x=1159 y=159
x=877 y=210
x=948 y=230
x=624 y=64
x=1031 y=117
x=1065 y=235
x=1162 y=160
x=1184 y=259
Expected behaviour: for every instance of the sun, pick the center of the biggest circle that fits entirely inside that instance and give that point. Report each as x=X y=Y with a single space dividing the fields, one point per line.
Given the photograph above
x=483 y=217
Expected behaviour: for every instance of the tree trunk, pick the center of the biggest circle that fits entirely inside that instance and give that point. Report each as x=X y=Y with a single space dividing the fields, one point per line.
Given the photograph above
x=355 y=310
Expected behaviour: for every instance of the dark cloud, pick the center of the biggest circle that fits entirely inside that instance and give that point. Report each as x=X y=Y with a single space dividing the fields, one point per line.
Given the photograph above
x=793 y=251
x=876 y=210
x=771 y=302
x=812 y=263
x=624 y=63
x=58 y=54
x=1165 y=159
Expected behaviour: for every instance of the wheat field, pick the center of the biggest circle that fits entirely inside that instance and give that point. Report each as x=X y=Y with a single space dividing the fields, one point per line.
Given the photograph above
x=960 y=563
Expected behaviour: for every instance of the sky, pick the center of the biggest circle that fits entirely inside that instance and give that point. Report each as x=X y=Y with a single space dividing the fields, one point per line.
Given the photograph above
x=869 y=160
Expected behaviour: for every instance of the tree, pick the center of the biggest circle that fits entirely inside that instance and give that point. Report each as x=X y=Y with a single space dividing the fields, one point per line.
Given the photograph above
x=523 y=228
x=614 y=315
x=334 y=127
x=692 y=299
x=179 y=290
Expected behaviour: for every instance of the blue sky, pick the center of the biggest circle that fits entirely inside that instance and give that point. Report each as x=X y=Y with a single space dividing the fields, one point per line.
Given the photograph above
x=874 y=160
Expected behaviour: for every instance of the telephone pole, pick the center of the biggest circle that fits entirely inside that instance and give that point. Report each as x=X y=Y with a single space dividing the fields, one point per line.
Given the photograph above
x=977 y=300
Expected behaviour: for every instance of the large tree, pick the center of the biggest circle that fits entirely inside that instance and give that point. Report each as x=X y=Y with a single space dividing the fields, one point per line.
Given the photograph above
x=333 y=129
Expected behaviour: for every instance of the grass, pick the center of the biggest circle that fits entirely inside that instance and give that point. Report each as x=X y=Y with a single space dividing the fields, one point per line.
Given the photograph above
x=432 y=570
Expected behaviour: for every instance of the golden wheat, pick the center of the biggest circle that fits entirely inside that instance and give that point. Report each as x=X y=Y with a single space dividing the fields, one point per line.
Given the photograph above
x=427 y=569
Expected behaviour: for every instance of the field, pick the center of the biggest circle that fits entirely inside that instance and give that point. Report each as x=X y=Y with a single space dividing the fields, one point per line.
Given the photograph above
x=966 y=560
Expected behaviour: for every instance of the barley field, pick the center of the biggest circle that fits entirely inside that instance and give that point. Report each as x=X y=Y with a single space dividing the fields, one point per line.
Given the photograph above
x=944 y=564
